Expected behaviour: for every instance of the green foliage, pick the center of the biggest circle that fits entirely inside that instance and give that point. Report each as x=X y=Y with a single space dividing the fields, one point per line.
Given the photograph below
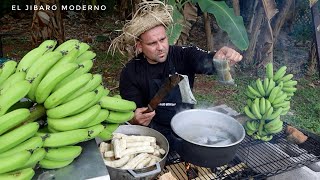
x=175 y=29
x=227 y=21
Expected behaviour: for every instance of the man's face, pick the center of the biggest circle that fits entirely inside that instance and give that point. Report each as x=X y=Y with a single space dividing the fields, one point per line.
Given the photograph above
x=154 y=44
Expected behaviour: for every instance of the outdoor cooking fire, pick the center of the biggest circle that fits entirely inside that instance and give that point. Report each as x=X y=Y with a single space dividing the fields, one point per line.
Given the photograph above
x=191 y=171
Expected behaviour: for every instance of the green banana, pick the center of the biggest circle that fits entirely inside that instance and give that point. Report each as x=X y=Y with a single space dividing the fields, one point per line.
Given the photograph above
x=266 y=138
x=249 y=95
x=52 y=130
x=260 y=87
x=90 y=86
x=265 y=85
x=48 y=164
x=290 y=84
x=275 y=114
x=57 y=97
x=289 y=90
x=53 y=77
x=11 y=163
x=262 y=105
x=253 y=91
x=273 y=124
x=83 y=47
x=33 y=55
x=11 y=80
x=83 y=69
x=252 y=125
x=12 y=119
x=68 y=45
x=106 y=134
x=69 y=108
x=76 y=121
x=255 y=110
x=280 y=99
x=280 y=73
x=119 y=117
x=68 y=58
x=116 y=104
x=31 y=144
x=283 y=104
x=63 y=153
x=285 y=110
x=267 y=105
x=269 y=113
x=24 y=174
x=286 y=78
x=249 y=113
x=39 y=69
x=271 y=86
x=274 y=94
x=94 y=131
x=248 y=131
x=35 y=157
x=269 y=70
x=63 y=138
x=88 y=55
x=17 y=136
x=103 y=114
x=249 y=102
x=117 y=96
x=8 y=68
x=276 y=128
x=100 y=91
x=13 y=95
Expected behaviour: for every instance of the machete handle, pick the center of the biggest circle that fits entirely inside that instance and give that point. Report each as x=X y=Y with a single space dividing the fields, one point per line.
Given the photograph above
x=150 y=109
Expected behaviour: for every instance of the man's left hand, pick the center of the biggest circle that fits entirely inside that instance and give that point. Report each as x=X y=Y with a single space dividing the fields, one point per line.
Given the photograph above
x=229 y=54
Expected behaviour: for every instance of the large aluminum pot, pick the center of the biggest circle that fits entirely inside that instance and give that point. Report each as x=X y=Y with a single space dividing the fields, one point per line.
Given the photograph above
x=206 y=138
x=145 y=173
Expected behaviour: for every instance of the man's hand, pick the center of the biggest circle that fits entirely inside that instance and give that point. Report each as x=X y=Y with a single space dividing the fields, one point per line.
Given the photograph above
x=142 y=119
x=229 y=54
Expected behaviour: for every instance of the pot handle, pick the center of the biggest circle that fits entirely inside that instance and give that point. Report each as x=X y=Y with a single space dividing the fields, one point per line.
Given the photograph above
x=145 y=174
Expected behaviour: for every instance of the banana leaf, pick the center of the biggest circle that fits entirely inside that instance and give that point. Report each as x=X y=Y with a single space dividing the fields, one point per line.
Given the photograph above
x=175 y=29
x=227 y=21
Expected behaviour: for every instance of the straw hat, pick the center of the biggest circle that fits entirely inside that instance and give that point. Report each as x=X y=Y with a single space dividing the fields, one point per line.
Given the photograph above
x=149 y=14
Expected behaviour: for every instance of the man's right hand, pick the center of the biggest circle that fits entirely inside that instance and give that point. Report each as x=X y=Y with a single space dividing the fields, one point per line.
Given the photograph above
x=142 y=118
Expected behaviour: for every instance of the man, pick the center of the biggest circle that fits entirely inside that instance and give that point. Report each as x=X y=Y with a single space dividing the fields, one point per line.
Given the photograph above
x=143 y=75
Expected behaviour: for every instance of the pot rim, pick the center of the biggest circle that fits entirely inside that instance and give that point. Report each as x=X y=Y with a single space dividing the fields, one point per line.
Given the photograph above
x=211 y=111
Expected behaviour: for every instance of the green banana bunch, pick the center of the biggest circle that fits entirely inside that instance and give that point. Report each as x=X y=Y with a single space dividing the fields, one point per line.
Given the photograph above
x=251 y=126
x=280 y=73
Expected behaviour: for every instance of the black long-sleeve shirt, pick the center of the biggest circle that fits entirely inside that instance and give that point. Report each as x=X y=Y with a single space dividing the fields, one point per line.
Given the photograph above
x=136 y=74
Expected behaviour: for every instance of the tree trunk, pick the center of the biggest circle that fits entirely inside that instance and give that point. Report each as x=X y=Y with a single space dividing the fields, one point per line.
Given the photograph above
x=254 y=31
x=207 y=27
x=47 y=24
x=280 y=18
x=236 y=7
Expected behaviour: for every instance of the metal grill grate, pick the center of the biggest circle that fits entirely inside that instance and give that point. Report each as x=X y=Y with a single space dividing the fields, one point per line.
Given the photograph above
x=254 y=159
